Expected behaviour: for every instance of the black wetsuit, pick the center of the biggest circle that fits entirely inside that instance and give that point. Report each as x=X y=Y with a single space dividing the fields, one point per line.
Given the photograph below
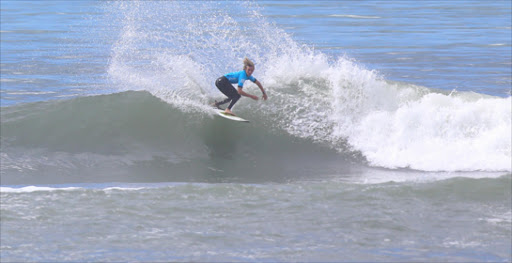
x=227 y=89
x=224 y=84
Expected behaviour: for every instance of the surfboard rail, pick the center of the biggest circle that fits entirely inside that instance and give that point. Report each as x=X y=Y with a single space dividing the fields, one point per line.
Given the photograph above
x=230 y=117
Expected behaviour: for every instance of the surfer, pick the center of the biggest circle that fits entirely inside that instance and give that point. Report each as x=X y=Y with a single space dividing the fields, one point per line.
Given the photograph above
x=224 y=84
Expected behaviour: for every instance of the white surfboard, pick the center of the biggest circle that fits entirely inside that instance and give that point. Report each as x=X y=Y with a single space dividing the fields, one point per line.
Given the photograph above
x=231 y=117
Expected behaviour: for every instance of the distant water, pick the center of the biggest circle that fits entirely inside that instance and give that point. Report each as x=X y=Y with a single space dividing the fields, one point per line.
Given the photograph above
x=386 y=136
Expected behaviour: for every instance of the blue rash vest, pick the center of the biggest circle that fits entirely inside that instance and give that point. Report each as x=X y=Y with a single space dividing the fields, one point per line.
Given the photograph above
x=239 y=77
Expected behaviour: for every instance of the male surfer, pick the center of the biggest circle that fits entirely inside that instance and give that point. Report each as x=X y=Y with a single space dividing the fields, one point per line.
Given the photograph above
x=224 y=85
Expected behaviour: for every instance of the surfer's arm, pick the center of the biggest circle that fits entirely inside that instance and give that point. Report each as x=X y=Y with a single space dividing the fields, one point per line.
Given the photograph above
x=261 y=88
x=243 y=93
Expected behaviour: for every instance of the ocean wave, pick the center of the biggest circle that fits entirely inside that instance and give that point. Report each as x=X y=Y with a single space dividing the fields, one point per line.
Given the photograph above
x=335 y=101
x=323 y=114
x=136 y=137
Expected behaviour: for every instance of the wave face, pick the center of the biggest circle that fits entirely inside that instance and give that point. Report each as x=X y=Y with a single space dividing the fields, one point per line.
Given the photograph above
x=176 y=56
x=134 y=136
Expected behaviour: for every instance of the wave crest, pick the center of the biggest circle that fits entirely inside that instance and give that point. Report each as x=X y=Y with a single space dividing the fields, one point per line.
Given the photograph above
x=335 y=101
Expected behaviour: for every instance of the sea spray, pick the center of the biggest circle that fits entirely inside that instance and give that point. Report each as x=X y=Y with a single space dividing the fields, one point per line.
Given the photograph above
x=189 y=49
x=176 y=52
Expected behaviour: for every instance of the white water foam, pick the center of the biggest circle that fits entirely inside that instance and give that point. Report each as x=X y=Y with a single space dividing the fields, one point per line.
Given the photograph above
x=31 y=189
x=356 y=16
x=329 y=100
x=393 y=125
x=438 y=133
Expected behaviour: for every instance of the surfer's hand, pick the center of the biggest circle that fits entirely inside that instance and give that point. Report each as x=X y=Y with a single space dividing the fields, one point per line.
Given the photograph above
x=254 y=97
x=264 y=97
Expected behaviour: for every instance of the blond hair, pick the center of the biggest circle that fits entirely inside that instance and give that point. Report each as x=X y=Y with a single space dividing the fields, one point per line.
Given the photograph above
x=248 y=63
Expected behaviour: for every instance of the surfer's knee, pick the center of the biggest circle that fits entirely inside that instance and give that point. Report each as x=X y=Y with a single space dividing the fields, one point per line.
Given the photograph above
x=236 y=96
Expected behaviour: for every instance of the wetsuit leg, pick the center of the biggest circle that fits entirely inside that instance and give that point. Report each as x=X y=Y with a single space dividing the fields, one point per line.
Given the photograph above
x=234 y=100
x=227 y=89
x=223 y=102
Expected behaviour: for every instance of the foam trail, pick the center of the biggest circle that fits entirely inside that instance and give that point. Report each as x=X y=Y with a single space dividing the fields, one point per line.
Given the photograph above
x=31 y=189
x=48 y=189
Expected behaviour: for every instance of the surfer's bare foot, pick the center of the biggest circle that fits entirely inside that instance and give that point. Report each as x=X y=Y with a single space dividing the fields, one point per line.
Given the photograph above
x=228 y=111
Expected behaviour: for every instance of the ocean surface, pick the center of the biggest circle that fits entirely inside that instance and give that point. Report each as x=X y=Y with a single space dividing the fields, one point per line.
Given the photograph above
x=386 y=136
